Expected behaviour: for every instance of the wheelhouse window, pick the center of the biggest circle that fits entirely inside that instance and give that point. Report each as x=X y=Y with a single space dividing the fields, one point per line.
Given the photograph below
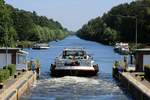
x=73 y=53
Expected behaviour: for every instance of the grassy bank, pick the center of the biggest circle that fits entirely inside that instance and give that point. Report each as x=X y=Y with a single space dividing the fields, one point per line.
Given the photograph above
x=24 y=44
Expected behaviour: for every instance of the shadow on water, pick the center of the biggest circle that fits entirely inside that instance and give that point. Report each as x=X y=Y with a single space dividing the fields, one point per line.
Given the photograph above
x=100 y=87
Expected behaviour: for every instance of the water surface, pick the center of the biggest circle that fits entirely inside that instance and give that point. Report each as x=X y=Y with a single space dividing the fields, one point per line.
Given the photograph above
x=100 y=87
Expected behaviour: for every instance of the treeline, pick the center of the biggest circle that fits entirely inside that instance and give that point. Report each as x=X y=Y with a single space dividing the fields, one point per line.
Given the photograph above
x=21 y=25
x=119 y=24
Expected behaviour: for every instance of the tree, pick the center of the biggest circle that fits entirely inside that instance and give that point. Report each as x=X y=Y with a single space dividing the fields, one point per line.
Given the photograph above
x=7 y=32
x=23 y=25
x=119 y=24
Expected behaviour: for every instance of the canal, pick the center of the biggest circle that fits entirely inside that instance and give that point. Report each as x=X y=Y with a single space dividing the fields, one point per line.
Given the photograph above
x=100 y=87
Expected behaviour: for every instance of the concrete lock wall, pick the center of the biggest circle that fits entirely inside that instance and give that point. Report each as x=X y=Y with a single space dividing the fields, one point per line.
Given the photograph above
x=17 y=89
x=134 y=90
x=22 y=89
x=14 y=96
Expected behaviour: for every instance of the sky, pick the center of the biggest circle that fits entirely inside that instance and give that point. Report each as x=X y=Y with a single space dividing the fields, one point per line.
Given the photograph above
x=72 y=14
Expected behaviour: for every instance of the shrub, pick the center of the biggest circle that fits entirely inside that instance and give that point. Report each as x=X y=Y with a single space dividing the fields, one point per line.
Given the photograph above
x=147 y=72
x=116 y=64
x=12 y=69
x=4 y=74
x=5 y=67
x=1 y=75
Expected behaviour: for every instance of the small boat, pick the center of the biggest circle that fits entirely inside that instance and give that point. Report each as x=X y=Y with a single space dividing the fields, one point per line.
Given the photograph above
x=41 y=46
x=74 y=61
x=122 y=48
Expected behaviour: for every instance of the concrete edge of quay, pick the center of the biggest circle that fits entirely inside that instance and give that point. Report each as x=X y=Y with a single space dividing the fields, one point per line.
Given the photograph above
x=138 y=90
x=20 y=86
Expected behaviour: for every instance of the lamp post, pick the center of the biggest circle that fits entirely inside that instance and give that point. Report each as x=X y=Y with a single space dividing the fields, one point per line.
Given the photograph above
x=136 y=33
x=6 y=56
x=136 y=21
x=6 y=50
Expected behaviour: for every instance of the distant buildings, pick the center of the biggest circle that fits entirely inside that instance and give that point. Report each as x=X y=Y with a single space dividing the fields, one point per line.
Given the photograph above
x=13 y=56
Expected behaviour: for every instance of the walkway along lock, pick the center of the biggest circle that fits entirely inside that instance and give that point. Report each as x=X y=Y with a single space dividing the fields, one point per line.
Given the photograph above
x=22 y=84
x=136 y=81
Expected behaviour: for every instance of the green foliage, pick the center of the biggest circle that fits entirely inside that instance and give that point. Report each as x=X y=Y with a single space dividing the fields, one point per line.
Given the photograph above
x=24 y=44
x=7 y=32
x=4 y=74
x=122 y=19
x=31 y=27
x=110 y=35
x=23 y=25
x=116 y=64
x=97 y=30
x=5 y=67
x=45 y=34
x=119 y=24
x=12 y=69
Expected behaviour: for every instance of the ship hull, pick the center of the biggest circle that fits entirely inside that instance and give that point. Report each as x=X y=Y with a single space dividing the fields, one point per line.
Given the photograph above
x=74 y=71
x=38 y=48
